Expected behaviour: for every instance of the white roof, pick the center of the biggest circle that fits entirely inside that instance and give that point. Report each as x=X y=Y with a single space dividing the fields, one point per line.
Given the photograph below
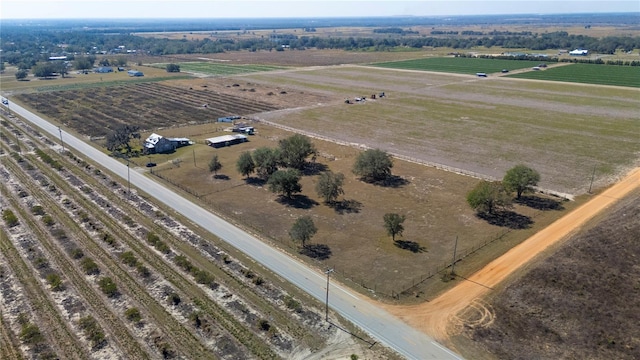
x=223 y=138
x=153 y=139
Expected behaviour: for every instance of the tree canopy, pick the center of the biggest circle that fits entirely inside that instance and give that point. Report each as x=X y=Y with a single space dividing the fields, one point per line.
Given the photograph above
x=245 y=164
x=520 y=179
x=393 y=224
x=487 y=196
x=302 y=230
x=329 y=186
x=294 y=151
x=215 y=164
x=173 y=68
x=119 y=139
x=21 y=74
x=266 y=161
x=285 y=182
x=373 y=165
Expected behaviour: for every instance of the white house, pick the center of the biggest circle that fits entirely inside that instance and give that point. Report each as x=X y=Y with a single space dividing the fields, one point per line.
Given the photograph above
x=579 y=52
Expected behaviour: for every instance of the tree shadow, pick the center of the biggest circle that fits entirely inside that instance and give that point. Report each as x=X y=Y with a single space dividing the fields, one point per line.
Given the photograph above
x=255 y=181
x=316 y=251
x=346 y=206
x=314 y=168
x=221 y=177
x=392 y=181
x=540 y=203
x=298 y=201
x=412 y=246
x=508 y=219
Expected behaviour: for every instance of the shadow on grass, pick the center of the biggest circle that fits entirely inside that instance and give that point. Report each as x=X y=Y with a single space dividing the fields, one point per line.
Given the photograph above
x=298 y=201
x=255 y=181
x=539 y=203
x=316 y=251
x=221 y=177
x=508 y=219
x=392 y=181
x=412 y=246
x=314 y=168
x=346 y=206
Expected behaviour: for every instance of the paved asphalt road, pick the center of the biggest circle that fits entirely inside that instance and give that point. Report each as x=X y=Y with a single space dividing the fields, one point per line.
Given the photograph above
x=381 y=325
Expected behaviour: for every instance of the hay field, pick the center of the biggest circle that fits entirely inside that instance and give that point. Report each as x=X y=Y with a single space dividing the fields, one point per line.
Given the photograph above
x=485 y=125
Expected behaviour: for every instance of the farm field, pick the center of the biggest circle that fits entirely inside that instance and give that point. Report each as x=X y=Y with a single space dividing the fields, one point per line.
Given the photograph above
x=475 y=124
x=460 y=65
x=135 y=282
x=587 y=74
x=221 y=69
x=595 y=271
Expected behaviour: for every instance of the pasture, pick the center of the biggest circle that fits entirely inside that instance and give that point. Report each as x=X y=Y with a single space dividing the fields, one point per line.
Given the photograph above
x=459 y=65
x=588 y=74
x=221 y=68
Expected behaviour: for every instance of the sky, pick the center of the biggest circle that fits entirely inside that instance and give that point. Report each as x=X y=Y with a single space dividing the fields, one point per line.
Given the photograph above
x=122 y=9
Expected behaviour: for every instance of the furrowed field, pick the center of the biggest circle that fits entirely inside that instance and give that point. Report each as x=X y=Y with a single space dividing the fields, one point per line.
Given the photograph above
x=588 y=74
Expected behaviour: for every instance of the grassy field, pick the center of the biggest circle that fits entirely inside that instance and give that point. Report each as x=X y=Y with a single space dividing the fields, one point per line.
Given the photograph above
x=588 y=74
x=221 y=69
x=459 y=65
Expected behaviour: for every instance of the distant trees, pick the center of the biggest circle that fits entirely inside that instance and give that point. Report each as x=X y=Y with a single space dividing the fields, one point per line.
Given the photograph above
x=303 y=230
x=215 y=165
x=393 y=224
x=373 y=165
x=285 y=182
x=487 y=196
x=83 y=63
x=173 y=68
x=21 y=74
x=294 y=151
x=44 y=70
x=329 y=186
x=119 y=139
x=520 y=179
x=245 y=164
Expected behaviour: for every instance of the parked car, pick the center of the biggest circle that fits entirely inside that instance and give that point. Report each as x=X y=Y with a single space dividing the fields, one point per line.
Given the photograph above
x=505 y=71
x=151 y=164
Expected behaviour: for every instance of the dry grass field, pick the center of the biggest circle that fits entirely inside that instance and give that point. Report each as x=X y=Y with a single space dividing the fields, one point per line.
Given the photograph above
x=475 y=125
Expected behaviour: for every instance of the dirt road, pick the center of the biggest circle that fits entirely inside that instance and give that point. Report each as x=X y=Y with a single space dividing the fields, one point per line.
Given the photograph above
x=438 y=317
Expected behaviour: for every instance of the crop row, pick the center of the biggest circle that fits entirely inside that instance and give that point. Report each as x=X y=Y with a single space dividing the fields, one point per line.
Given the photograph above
x=190 y=290
x=588 y=74
x=225 y=69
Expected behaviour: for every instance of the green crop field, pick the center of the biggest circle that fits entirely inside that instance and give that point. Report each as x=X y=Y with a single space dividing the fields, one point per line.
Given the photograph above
x=221 y=68
x=459 y=65
x=589 y=74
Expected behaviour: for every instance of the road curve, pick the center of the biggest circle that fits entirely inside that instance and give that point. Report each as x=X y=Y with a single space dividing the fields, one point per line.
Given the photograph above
x=380 y=324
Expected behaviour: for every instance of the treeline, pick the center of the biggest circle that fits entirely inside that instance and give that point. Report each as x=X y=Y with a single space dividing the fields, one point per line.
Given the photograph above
x=576 y=60
x=34 y=46
x=395 y=30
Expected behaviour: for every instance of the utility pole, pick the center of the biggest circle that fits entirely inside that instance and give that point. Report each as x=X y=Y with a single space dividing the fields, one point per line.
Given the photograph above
x=128 y=181
x=592 y=176
x=61 y=142
x=453 y=263
x=326 y=309
x=194 y=158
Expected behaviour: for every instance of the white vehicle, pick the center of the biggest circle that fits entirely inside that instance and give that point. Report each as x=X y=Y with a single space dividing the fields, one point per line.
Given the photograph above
x=5 y=101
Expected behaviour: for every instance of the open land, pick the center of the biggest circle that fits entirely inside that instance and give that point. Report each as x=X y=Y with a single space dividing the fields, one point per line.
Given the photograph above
x=568 y=133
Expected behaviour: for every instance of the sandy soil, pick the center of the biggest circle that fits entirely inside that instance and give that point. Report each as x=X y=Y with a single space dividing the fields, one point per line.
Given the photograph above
x=438 y=317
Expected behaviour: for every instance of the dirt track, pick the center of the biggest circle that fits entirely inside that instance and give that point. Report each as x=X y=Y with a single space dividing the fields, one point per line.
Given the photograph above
x=438 y=317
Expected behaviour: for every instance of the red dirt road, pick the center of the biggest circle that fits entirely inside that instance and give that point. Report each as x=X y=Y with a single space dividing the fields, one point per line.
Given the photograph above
x=437 y=317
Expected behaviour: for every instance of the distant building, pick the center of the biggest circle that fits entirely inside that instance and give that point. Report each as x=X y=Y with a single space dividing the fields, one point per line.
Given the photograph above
x=135 y=73
x=104 y=69
x=579 y=52
x=53 y=58
x=226 y=140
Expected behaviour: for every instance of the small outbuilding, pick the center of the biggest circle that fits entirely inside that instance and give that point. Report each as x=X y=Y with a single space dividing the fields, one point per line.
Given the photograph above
x=226 y=140
x=135 y=73
x=103 y=69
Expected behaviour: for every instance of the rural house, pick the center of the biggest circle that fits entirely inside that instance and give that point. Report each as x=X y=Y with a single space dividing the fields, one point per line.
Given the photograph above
x=104 y=69
x=157 y=144
x=135 y=73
